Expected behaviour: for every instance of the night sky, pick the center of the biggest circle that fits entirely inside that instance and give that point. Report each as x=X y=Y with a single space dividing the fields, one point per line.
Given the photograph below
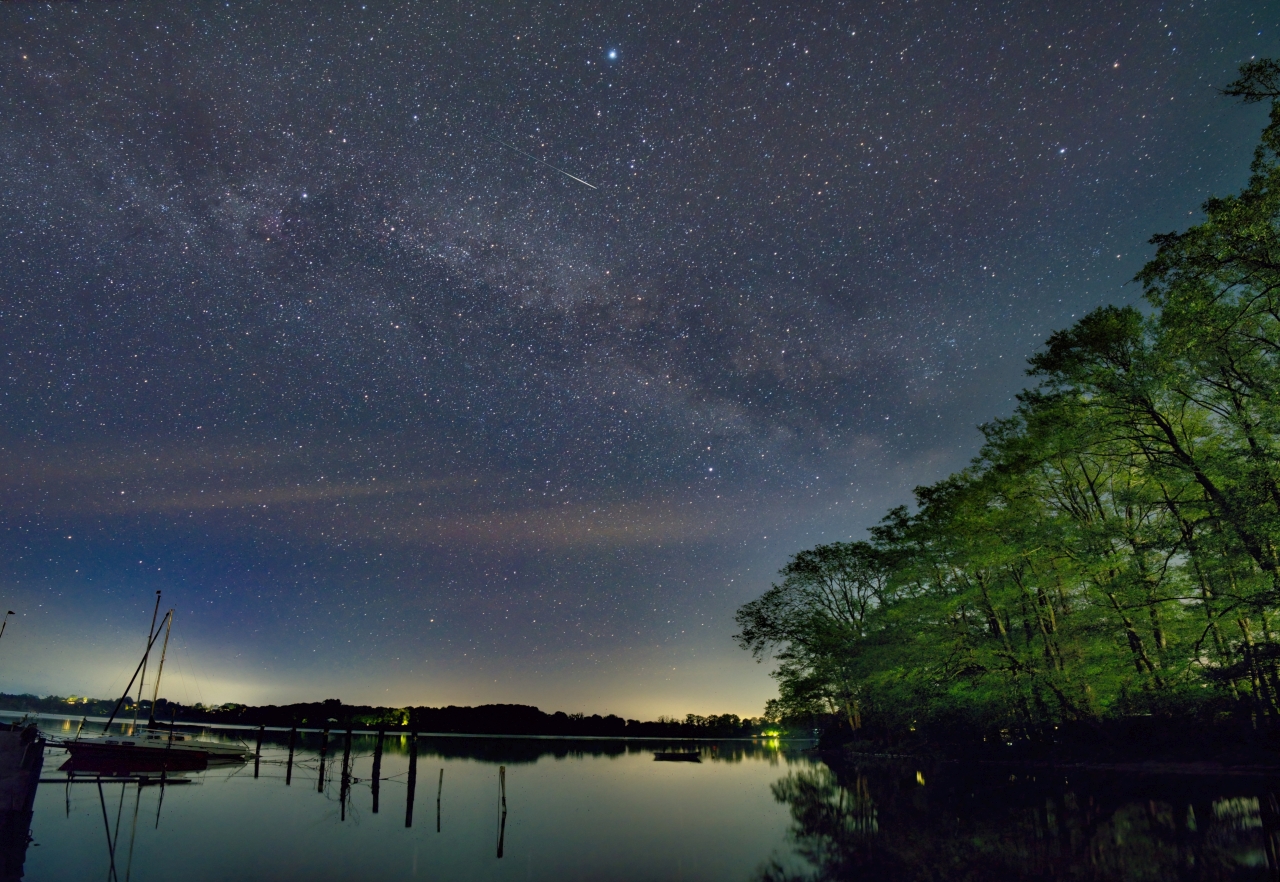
x=449 y=353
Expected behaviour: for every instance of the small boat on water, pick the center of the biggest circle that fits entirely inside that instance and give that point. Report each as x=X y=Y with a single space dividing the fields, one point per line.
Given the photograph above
x=677 y=756
x=153 y=749
x=150 y=747
x=110 y=763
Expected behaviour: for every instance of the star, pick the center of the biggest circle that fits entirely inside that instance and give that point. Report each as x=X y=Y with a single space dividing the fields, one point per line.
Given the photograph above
x=296 y=328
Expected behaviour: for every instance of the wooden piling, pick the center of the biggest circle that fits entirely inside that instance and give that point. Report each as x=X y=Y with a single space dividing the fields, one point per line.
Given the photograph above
x=257 y=751
x=439 y=790
x=413 y=778
x=502 y=820
x=345 y=787
x=377 y=766
x=502 y=832
x=288 y=769
x=324 y=750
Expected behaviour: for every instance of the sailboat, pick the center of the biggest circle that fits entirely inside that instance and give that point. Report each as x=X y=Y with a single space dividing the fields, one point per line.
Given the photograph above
x=151 y=747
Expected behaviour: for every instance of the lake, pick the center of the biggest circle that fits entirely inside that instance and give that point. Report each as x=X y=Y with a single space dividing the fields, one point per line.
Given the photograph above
x=601 y=809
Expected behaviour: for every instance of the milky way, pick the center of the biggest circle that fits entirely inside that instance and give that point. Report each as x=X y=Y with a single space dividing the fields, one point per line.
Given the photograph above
x=394 y=413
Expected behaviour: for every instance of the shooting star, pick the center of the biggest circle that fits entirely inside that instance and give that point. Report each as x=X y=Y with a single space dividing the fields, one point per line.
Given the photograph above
x=547 y=164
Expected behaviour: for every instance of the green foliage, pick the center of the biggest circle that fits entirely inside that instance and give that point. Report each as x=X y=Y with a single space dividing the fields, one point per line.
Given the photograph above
x=1115 y=547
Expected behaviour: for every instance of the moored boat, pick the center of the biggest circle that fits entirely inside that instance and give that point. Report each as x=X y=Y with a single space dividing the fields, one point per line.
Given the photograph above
x=163 y=749
x=156 y=749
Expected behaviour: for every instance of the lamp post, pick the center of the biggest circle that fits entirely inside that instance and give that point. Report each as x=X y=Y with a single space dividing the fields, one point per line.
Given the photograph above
x=4 y=623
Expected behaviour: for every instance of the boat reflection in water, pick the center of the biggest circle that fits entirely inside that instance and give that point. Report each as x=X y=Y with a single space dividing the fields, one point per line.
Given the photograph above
x=339 y=804
x=133 y=781
x=987 y=822
x=131 y=759
x=118 y=764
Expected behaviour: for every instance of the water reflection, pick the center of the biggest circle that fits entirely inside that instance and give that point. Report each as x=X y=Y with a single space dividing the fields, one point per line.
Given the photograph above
x=502 y=823
x=981 y=823
x=324 y=806
x=327 y=806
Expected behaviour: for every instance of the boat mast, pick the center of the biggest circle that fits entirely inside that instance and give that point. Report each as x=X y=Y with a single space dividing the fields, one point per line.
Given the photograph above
x=151 y=638
x=107 y=728
x=155 y=692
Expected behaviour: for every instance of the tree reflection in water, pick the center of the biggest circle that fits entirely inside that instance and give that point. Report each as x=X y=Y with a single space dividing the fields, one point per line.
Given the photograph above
x=988 y=824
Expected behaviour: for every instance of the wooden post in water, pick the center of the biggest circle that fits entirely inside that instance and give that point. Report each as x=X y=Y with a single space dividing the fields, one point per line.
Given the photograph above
x=413 y=778
x=439 y=790
x=502 y=821
x=377 y=766
x=324 y=749
x=345 y=787
x=257 y=751
x=288 y=769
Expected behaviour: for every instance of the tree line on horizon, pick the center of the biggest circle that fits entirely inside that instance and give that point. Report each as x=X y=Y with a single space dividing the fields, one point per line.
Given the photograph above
x=489 y=719
x=1114 y=548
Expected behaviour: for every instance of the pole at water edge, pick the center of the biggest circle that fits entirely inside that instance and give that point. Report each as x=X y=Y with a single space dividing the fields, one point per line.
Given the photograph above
x=502 y=822
x=257 y=751
x=288 y=769
x=413 y=778
x=377 y=766
x=324 y=749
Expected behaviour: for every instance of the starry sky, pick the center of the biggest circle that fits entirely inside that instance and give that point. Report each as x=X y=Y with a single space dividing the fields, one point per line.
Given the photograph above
x=460 y=353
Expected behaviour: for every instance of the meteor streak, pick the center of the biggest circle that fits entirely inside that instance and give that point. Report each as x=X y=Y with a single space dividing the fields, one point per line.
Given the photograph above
x=547 y=164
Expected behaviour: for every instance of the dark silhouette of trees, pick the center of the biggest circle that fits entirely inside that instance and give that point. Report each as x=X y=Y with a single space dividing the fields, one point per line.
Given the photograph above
x=1115 y=547
x=488 y=719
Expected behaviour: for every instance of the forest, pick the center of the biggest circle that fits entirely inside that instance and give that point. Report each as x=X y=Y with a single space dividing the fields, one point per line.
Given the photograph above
x=485 y=719
x=1114 y=549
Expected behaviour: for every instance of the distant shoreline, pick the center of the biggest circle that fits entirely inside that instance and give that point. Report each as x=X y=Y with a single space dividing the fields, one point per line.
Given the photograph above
x=485 y=719
x=236 y=727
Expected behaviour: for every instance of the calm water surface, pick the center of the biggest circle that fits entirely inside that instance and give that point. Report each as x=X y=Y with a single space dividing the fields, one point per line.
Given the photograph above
x=574 y=810
x=607 y=810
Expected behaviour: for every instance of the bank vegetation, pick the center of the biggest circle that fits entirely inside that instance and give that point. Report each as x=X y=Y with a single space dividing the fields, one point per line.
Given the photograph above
x=1114 y=549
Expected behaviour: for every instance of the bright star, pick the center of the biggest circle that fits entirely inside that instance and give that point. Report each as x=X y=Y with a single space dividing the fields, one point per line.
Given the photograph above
x=613 y=54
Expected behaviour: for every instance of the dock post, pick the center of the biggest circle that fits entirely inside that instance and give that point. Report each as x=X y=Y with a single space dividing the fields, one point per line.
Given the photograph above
x=413 y=778
x=345 y=787
x=257 y=751
x=324 y=749
x=439 y=790
x=502 y=822
x=288 y=769
x=377 y=766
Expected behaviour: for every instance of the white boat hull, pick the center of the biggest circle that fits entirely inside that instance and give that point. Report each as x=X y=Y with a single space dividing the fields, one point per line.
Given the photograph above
x=153 y=746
